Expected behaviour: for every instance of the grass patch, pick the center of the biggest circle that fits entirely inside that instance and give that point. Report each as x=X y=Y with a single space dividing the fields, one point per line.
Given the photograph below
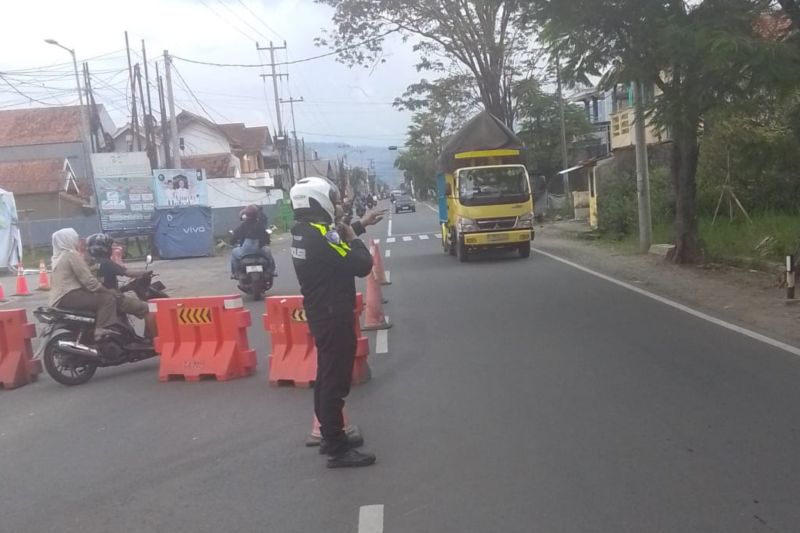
x=770 y=236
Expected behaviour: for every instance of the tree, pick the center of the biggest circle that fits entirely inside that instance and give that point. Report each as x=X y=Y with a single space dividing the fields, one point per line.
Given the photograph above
x=701 y=54
x=481 y=36
x=540 y=127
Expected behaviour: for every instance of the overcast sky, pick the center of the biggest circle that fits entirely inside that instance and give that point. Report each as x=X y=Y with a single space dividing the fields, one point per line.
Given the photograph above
x=341 y=104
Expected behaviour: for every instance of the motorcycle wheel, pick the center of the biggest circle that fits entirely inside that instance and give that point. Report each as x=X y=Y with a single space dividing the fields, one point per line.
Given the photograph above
x=57 y=363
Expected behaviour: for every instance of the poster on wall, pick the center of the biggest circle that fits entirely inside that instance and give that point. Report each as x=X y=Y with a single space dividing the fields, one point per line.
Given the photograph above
x=180 y=187
x=125 y=196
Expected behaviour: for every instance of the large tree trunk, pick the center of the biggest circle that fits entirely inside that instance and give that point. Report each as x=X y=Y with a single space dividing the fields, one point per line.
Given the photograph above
x=685 y=153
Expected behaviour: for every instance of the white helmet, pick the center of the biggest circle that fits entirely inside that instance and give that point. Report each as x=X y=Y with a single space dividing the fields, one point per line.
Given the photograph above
x=314 y=194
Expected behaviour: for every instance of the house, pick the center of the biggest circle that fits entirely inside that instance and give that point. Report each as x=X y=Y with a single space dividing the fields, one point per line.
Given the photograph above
x=124 y=141
x=46 y=188
x=39 y=133
x=228 y=150
x=612 y=114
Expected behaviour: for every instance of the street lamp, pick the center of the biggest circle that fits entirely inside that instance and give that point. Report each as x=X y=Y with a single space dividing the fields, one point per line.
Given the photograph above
x=83 y=124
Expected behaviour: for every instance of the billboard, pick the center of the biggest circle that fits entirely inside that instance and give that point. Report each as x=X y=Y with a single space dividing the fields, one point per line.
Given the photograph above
x=180 y=187
x=124 y=186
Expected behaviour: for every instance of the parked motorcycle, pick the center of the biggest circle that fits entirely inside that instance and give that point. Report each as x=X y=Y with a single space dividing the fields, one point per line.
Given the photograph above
x=69 y=351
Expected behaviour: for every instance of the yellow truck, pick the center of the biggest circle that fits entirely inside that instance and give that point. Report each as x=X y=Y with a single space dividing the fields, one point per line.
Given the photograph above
x=485 y=198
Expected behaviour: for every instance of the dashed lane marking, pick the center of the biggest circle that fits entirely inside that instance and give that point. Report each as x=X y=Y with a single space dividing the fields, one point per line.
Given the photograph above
x=388 y=276
x=406 y=238
x=388 y=253
x=370 y=519
x=438 y=235
x=389 y=234
x=423 y=237
x=435 y=210
x=382 y=339
x=390 y=240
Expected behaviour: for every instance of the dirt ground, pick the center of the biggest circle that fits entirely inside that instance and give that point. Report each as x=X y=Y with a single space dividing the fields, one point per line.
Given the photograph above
x=745 y=297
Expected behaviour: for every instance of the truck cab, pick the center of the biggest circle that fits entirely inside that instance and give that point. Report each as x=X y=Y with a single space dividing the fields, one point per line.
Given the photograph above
x=485 y=198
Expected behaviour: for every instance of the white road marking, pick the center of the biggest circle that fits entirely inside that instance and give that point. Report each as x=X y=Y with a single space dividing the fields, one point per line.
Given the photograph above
x=390 y=227
x=438 y=235
x=435 y=210
x=382 y=339
x=370 y=519
x=423 y=237
x=388 y=274
x=390 y=240
x=686 y=309
x=406 y=238
x=387 y=253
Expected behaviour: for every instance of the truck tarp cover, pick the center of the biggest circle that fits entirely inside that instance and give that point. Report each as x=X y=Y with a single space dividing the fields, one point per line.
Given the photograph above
x=483 y=132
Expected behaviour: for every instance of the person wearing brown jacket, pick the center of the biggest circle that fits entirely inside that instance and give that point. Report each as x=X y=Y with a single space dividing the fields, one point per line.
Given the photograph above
x=75 y=287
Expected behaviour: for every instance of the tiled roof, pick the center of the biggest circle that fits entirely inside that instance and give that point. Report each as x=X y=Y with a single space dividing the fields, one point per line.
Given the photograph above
x=39 y=125
x=32 y=177
x=244 y=138
x=215 y=165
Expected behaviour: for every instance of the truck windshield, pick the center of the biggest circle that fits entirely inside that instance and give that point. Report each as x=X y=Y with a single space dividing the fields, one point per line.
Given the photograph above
x=493 y=185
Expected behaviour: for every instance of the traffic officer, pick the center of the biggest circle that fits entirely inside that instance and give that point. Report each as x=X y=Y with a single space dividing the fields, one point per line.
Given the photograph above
x=327 y=257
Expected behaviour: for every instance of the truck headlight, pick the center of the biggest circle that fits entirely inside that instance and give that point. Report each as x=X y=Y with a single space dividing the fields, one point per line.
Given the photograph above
x=525 y=221
x=466 y=224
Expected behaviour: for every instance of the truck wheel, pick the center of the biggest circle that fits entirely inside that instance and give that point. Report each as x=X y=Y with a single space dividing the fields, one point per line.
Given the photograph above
x=461 y=250
x=525 y=250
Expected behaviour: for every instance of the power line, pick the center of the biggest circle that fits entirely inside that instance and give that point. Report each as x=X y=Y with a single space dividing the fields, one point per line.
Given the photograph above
x=32 y=99
x=235 y=14
x=294 y=62
x=226 y=21
x=194 y=96
x=261 y=21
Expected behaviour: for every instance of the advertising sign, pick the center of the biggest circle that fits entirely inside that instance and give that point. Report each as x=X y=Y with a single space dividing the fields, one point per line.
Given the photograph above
x=124 y=186
x=180 y=187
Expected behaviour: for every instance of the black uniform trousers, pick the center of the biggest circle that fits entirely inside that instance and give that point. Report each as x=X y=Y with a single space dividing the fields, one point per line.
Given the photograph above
x=335 y=338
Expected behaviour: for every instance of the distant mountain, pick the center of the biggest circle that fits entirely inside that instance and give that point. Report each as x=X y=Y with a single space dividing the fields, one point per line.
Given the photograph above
x=359 y=155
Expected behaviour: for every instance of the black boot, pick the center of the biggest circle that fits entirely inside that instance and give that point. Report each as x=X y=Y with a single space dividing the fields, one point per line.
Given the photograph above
x=353 y=441
x=351 y=459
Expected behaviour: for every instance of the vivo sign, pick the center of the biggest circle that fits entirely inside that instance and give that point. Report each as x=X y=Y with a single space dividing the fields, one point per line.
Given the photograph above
x=198 y=229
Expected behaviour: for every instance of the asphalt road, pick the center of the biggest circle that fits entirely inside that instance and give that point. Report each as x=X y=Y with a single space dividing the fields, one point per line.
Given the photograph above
x=515 y=396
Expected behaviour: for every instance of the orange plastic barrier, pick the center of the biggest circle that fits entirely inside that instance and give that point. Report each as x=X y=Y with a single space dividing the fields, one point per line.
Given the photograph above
x=203 y=338
x=293 y=358
x=17 y=365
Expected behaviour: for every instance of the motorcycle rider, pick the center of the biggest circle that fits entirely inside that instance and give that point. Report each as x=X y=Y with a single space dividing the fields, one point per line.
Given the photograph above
x=250 y=237
x=98 y=248
x=327 y=258
x=74 y=286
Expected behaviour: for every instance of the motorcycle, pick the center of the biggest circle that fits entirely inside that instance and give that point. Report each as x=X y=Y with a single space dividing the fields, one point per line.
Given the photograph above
x=256 y=273
x=69 y=351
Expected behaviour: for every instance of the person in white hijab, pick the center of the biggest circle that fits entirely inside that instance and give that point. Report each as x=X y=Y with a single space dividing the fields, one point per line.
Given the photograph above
x=75 y=287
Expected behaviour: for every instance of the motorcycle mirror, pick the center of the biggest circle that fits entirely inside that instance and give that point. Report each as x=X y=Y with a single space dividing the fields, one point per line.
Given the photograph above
x=148 y=260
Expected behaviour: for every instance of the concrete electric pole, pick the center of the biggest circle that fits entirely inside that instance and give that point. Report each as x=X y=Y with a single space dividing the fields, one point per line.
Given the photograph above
x=173 y=119
x=642 y=172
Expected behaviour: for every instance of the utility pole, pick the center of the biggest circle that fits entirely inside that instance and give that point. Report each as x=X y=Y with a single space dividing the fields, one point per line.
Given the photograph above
x=291 y=101
x=165 y=141
x=148 y=120
x=305 y=170
x=173 y=120
x=642 y=171
x=134 y=116
x=564 y=157
x=275 y=75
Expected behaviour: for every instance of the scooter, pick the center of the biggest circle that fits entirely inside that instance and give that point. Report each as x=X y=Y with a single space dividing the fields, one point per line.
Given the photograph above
x=69 y=351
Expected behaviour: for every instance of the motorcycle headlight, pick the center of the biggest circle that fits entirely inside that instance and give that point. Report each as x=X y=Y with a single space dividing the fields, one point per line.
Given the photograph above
x=525 y=221
x=466 y=224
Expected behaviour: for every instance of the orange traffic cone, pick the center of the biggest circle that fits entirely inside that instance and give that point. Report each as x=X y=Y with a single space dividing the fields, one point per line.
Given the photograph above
x=315 y=437
x=377 y=265
x=2 y=293
x=22 y=283
x=44 y=281
x=375 y=318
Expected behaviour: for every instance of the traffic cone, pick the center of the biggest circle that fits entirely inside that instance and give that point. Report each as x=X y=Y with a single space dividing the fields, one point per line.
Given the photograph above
x=377 y=265
x=315 y=437
x=2 y=293
x=44 y=281
x=22 y=283
x=375 y=318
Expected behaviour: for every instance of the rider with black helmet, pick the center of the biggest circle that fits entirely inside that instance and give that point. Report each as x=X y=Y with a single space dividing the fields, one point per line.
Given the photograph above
x=250 y=237
x=98 y=249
